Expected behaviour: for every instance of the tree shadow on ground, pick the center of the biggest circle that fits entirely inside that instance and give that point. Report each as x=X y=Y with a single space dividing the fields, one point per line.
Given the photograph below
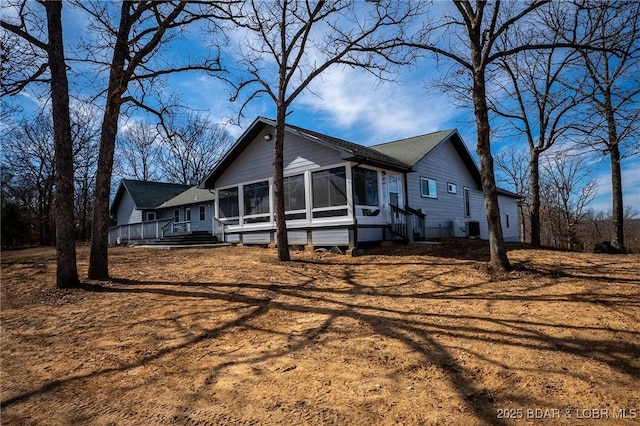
x=417 y=329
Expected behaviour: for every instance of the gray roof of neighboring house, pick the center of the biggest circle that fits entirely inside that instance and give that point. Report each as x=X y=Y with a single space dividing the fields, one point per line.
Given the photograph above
x=147 y=195
x=192 y=195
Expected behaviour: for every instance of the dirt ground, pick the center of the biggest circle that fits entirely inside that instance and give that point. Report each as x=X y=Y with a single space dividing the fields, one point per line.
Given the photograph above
x=400 y=335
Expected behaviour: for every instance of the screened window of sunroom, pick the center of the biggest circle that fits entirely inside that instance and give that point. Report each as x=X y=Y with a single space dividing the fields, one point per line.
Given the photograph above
x=329 y=187
x=228 y=202
x=365 y=186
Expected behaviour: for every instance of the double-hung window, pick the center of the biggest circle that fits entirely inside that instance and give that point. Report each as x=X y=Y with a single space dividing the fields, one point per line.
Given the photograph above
x=428 y=188
x=203 y=211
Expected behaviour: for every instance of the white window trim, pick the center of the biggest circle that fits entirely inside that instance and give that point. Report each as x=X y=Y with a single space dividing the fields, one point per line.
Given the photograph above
x=435 y=197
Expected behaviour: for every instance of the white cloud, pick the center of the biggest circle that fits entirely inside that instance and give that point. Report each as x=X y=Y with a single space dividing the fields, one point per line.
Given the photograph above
x=349 y=99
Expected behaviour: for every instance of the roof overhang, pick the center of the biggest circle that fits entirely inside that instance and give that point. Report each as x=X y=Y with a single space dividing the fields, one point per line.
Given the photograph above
x=348 y=151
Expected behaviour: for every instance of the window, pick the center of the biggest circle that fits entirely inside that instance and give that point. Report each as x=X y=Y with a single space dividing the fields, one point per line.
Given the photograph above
x=228 y=202
x=187 y=214
x=365 y=186
x=507 y=221
x=151 y=215
x=395 y=190
x=294 y=193
x=329 y=187
x=203 y=213
x=256 y=198
x=467 y=202
x=428 y=188
x=176 y=215
x=452 y=188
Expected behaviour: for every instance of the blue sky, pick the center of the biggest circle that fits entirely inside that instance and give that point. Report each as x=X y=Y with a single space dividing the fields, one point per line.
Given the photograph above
x=352 y=104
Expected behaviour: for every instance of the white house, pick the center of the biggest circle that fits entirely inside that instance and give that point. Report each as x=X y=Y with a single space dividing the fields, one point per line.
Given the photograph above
x=344 y=194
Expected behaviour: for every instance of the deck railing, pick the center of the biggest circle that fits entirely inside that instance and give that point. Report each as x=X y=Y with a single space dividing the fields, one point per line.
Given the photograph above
x=407 y=224
x=218 y=229
x=399 y=222
x=137 y=231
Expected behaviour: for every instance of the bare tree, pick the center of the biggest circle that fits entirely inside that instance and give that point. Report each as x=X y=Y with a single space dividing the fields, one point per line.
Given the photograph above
x=140 y=152
x=29 y=157
x=475 y=37
x=132 y=53
x=191 y=146
x=290 y=43
x=51 y=60
x=85 y=131
x=612 y=123
x=569 y=188
x=538 y=104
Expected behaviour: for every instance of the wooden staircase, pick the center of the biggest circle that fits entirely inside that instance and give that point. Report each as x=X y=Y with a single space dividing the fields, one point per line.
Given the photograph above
x=196 y=238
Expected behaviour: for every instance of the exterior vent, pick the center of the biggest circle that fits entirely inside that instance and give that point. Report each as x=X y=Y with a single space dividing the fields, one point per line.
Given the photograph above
x=472 y=229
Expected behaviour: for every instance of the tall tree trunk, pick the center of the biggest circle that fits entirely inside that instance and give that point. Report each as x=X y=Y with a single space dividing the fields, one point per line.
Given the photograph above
x=499 y=259
x=616 y=194
x=99 y=258
x=67 y=274
x=278 y=185
x=534 y=187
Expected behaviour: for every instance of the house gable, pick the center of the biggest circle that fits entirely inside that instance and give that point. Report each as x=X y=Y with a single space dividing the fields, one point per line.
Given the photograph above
x=303 y=150
x=255 y=160
x=134 y=196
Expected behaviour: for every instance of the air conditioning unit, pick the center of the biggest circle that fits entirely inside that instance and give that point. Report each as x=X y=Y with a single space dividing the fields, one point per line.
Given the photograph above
x=457 y=230
x=472 y=229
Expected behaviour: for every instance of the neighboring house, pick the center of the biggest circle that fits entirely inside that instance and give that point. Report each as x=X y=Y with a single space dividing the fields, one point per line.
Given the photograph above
x=149 y=210
x=344 y=194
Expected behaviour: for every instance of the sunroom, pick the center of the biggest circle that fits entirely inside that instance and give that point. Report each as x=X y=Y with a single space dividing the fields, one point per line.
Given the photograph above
x=341 y=204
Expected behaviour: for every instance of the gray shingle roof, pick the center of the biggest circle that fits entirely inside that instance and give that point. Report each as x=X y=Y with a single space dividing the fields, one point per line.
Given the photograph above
x=192 y=195
x=359 y=151
x=411 y=150
x=147 y=195
x=354 y=151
